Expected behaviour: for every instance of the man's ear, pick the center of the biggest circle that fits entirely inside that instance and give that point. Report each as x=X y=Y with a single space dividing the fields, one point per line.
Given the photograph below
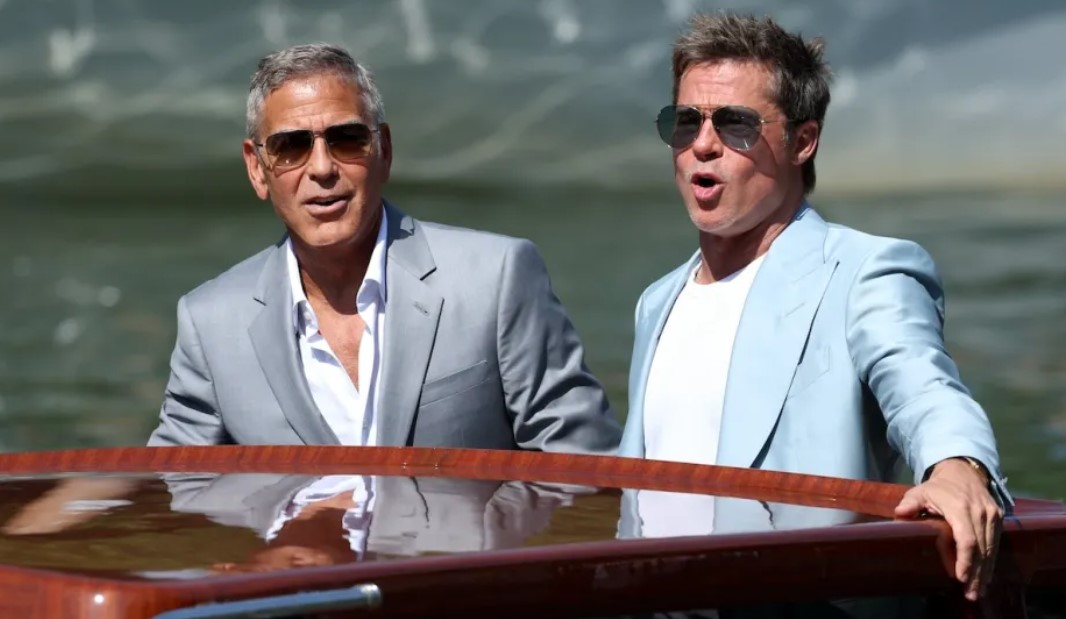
x=257 y=173
x=385 y=138
x=805 y=142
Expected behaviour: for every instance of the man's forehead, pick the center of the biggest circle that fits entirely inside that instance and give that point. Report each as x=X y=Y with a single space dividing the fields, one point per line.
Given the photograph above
x=727 y=71
x=298 y=100
x=726 y=78
x=303 y=87
x=314 y=89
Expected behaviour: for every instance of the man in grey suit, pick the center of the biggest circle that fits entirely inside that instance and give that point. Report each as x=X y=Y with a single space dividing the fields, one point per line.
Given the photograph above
x=306 y=520
x=364 y=326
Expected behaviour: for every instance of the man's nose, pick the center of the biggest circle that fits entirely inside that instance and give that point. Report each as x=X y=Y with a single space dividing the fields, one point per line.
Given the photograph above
x=707 y=144
x=321 y=163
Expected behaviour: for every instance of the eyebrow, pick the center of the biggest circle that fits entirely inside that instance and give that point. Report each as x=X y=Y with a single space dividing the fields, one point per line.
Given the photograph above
x=353 y=121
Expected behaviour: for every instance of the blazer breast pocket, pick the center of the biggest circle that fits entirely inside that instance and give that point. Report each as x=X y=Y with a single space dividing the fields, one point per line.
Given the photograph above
x=456 y=383
x=815 y=365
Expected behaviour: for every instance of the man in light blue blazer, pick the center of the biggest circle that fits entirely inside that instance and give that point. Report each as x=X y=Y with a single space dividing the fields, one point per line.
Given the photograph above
x=790 y=343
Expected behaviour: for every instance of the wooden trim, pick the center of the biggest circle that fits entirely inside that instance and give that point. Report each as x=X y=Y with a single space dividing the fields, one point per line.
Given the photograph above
x=586 y=579
x=871 y=498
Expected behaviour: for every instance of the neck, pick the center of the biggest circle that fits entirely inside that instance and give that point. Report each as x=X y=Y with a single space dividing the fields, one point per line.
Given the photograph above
x=721 y=256
x=333 y=275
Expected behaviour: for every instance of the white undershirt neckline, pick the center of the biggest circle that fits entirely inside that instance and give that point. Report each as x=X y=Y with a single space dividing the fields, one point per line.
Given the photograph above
x=685 y=393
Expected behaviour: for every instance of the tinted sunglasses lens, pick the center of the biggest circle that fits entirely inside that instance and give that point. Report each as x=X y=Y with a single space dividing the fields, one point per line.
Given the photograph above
x=289 y=148
x=349 y=142
x=738 y=127
x=679 y=126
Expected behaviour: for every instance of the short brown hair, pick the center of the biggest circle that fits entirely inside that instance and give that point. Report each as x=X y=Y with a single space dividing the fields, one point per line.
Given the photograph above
x=800 y=76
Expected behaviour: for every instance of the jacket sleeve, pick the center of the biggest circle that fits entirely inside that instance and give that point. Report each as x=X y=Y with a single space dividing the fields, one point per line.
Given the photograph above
x=894 y=330
x=189 y=415
x=556 y=402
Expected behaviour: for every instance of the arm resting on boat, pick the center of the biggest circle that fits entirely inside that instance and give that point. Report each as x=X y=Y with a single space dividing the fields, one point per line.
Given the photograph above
x=189 y=415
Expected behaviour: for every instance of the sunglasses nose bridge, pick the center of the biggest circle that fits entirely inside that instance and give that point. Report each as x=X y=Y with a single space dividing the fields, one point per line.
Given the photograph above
x=320 y=159
x=707 y=140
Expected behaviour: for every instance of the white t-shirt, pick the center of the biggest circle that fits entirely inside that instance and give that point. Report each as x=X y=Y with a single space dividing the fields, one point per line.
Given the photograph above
x=685 y=393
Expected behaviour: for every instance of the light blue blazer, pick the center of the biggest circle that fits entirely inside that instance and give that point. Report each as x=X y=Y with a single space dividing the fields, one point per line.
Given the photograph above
x=838 y=364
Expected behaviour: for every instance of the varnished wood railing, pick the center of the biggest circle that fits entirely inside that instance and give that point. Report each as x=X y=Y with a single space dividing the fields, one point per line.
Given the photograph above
x=875 y=499
x=584 y=579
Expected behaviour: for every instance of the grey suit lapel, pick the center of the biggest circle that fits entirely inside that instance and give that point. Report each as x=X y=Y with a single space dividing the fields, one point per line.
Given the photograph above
x=771 y=336
x=266 y=502
x=274 y=341
x=412 y=312
x=400 y=517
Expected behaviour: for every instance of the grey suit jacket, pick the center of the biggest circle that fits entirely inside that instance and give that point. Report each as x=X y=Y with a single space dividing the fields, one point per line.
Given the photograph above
x=411 y=516
x=478 y=353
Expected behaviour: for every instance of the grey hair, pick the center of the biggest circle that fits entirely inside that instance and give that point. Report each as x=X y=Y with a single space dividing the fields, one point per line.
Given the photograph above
x=300 y=61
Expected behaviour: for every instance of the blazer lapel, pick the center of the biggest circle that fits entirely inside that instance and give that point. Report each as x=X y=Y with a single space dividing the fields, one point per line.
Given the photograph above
x=412 y=312
x=658 y=304
x=771 y=336
x=274 y=340
x=401 y=517
x=269 y=500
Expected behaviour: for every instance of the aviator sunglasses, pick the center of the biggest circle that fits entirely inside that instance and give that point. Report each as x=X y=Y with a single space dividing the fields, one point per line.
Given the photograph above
x=347 y=143
x=737 y=126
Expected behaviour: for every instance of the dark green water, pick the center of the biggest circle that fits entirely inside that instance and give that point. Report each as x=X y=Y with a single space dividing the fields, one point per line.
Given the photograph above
x=90 y=286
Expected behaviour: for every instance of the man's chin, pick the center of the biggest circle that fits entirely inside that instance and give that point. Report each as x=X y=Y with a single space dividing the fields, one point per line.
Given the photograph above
x=707 y=220
x=325 y=238
x=710 y=224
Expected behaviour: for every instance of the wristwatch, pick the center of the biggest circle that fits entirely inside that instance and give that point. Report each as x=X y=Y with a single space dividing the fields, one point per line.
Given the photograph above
x=980 y=468
x=999 y=495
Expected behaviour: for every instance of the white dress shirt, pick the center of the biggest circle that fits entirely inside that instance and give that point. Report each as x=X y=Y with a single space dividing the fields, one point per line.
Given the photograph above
x=356 y=519
x=350 y=412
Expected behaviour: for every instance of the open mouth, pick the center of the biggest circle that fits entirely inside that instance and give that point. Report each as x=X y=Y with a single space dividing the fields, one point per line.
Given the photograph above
x=706 y=187
x=705 y=180
x=326 y=202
